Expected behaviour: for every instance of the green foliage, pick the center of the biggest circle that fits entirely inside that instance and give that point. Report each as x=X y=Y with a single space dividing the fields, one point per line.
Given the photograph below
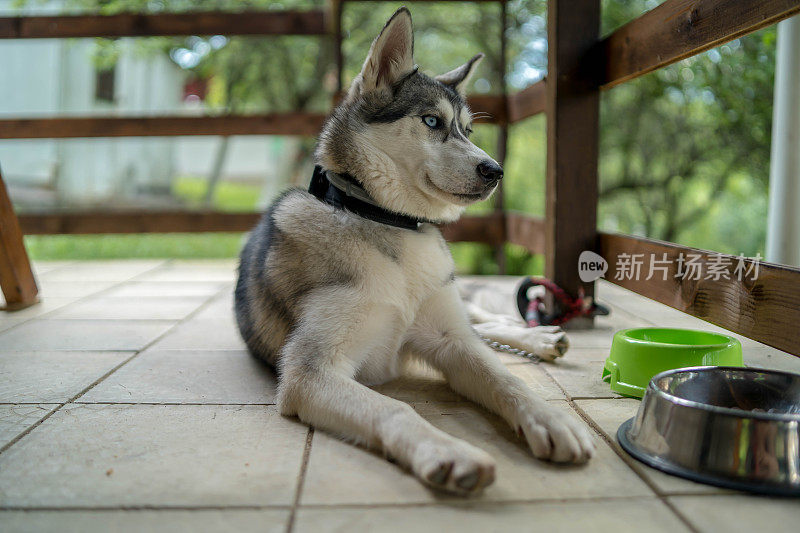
x=684 y=150
x=229 y=196
x=184 y=245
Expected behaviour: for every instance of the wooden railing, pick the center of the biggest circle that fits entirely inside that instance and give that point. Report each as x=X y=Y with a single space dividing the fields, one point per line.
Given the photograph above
x=580 y=65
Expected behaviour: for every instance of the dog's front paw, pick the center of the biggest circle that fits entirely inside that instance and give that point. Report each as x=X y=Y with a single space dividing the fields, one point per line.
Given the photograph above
x=548 y=342
x=553 y=434
x=454 y=466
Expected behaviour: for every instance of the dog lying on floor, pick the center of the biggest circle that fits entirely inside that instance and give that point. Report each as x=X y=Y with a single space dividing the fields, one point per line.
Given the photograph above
x=343 y=286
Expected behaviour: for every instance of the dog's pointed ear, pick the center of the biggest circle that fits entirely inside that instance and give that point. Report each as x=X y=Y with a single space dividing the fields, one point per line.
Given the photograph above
x=458 y=78
x=391 y=56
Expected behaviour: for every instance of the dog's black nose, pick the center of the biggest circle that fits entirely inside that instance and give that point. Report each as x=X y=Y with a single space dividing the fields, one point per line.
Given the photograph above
x=490 y=172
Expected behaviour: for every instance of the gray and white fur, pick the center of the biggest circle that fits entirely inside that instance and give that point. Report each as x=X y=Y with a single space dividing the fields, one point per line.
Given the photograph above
x=337 y=303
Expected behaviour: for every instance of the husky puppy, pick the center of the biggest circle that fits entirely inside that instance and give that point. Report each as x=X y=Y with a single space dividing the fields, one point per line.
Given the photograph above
x=343 y=287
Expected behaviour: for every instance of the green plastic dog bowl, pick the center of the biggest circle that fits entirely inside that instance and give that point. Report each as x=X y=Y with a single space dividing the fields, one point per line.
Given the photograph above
x=638 y=354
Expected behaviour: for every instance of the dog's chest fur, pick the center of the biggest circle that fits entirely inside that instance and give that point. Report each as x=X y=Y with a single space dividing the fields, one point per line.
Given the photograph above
x=362 y=282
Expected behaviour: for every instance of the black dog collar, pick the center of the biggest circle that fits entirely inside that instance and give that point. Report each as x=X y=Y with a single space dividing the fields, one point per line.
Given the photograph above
x=344 y=192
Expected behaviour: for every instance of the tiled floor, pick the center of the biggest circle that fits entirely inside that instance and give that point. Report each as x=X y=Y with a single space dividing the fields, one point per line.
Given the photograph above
x=128 y=403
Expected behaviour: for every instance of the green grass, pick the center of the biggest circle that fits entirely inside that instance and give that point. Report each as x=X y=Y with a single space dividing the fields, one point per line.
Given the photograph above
x=190 y=191
x=171 y=245
x=228 y=196
x=470 y=258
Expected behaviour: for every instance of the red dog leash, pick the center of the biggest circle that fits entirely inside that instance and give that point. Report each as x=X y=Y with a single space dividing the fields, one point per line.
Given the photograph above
x=565 y=307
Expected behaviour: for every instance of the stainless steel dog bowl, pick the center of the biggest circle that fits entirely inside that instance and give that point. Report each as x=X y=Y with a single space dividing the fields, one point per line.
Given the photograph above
x=733 y=427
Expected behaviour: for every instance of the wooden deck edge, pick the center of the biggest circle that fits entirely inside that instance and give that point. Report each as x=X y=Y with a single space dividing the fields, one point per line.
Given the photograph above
x=750 y=297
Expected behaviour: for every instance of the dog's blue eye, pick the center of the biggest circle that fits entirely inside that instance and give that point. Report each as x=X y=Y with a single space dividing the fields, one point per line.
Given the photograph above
x=431 y=121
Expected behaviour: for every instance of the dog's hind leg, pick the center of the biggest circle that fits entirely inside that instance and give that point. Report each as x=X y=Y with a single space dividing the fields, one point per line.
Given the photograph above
x=325 y=394
x=442 y=336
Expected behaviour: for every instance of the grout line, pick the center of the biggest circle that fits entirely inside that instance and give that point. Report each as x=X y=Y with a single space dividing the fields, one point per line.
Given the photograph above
x=145 y=507
x=104 y=376
x=300 y=480
x=174 y=403
x=454 y=501
x=599 y=398
x=629 y=461
x=80 y=299
x=48 y=415
x=618 y=308
x=450 y=502
x=154 y=341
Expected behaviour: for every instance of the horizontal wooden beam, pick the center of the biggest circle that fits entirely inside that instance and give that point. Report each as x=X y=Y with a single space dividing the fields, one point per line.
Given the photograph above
x=678 y=29
x=146 y=25
x=294 y=123
x=493 y=104
x=528 y=102
x=140 y=221
x=756 y=299
x=526 y=231
x=297 y=123
x=486 y=229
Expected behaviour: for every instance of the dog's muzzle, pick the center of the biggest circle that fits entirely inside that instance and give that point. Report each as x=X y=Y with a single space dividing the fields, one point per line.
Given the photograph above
x=490 y=172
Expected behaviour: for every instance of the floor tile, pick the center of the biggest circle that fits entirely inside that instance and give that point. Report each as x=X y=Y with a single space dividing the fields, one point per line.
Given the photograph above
x=225 y=377
x=46 y=305
x=131 y=289
x=134 y=308
x=420 y=385
x=86 y=335
x=9 y=323
x=155 y=455
x=72 y=289
x=581 y=355
x=767 y=357
x=207 y=334
x=340 y=473
x=41 y=267
x=155 y=521
x=94 y=271
x=581 y=379
x=14 y=419
x=193 y=271
x=535 y=376
x=609 y=415
x=48 y=377
x=612 y=516
x=740 y=513
x=220 y=306
x=601 y=335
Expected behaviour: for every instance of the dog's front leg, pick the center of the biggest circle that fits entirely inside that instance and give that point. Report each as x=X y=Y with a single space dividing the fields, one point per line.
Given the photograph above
x=442 y=336
x=321 y=390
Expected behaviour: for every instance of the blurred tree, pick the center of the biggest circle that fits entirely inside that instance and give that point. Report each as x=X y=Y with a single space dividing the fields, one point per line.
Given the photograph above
x=681 y=145
x=684 y=150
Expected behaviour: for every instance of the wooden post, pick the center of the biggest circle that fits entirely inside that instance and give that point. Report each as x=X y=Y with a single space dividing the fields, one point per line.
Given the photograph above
x=336 y=10
x=16 y=276
x=502 y=135
x=572 y=136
